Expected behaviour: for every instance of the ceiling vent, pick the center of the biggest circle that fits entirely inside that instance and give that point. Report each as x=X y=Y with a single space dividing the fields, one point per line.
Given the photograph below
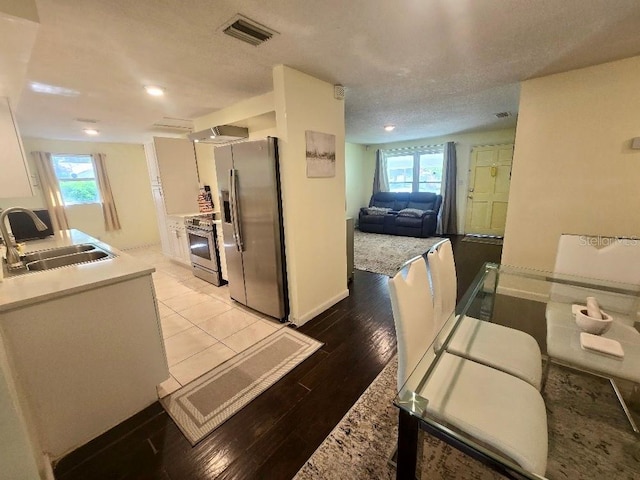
x=503 y=115
x=248 y=30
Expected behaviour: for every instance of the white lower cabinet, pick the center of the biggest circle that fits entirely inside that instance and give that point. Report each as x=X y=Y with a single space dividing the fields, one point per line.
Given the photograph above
x=178 y=243
x=83 y=363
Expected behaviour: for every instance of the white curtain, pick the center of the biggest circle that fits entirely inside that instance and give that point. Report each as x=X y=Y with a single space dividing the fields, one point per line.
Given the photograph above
x=111 y=221
x=51 y=190
x=380 y=177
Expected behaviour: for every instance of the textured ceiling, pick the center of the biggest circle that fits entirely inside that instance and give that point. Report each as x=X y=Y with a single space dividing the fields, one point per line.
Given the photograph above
x=431 y=67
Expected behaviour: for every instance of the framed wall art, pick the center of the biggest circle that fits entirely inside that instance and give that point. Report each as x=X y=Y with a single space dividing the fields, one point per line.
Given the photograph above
x=321 y=154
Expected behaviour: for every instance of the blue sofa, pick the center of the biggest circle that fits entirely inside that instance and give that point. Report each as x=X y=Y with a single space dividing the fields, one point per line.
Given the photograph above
x=399 y=213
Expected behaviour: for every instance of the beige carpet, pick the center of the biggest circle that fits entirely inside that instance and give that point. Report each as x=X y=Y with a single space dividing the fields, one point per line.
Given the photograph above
x=204 y=404
x=385 y=254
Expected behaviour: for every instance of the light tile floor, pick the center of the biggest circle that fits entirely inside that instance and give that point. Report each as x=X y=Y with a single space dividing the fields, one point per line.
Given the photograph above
x=201 y=325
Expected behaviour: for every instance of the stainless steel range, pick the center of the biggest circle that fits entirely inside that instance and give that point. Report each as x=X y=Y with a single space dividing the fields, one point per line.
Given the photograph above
x=205 y=259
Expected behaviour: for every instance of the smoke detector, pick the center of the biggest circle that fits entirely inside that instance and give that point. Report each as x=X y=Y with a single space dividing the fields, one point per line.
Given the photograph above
x=248 y=30
x=503 y=114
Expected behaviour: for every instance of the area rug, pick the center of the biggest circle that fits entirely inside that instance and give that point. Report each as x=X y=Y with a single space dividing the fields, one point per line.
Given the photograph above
x=204 y=404
x=476 y=238
x=589 y=436
x=385 y=254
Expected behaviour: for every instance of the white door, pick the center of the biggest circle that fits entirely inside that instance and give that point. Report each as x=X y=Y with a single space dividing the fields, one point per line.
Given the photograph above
x=489 y=179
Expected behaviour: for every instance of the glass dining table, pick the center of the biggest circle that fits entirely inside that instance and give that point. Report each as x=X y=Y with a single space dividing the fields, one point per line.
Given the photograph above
x=591 y=397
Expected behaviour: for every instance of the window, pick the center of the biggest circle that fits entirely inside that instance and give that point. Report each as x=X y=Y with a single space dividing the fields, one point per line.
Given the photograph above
x=418 y=170
x=77 y=179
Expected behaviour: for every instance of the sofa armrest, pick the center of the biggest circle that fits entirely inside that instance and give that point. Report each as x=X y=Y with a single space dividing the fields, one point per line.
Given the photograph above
x=429 y=223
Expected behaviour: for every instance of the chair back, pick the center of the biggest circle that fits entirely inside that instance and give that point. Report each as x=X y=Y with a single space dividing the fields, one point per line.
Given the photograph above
x=442 y=269
x=603 y=258
x=413 y=315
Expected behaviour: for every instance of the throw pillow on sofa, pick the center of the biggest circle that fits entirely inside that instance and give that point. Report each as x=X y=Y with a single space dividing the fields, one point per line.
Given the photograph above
x=378 y=210
x=411 y=212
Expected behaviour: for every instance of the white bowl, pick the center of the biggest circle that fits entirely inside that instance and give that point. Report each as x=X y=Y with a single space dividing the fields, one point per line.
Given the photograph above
x=592 y=325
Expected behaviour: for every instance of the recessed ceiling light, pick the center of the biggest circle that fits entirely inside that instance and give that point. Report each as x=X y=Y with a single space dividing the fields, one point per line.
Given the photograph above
x=154 y=90
x=91 y=131
x=389 y=128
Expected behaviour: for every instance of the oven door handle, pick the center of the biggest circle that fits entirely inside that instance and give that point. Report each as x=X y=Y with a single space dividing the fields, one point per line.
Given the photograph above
x=235 y=209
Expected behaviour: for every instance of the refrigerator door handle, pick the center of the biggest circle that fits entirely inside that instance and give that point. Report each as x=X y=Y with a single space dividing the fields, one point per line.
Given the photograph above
x=235 y=209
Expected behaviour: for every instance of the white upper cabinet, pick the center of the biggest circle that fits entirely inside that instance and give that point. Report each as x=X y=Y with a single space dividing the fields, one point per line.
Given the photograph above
x=172 y=165
x=15 y=180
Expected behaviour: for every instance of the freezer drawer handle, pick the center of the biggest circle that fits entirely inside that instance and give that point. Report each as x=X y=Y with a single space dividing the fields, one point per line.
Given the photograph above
x=235 y=209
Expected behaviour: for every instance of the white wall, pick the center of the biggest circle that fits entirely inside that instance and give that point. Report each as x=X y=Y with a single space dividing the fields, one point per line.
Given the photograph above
x=129 y=178
x=313 y=208
x=464 y=143
x=239 y=113
x=26 y=9
x=573 y=168
x=358 y=178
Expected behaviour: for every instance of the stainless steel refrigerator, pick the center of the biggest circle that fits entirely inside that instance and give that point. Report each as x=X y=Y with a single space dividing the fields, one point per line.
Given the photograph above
x=251 y=211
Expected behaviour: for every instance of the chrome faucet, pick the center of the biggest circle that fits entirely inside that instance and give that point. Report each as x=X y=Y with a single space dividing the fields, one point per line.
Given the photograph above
x=13 y=256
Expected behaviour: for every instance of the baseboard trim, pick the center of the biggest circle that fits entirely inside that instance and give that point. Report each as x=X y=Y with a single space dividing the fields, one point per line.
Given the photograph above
x=319 y=309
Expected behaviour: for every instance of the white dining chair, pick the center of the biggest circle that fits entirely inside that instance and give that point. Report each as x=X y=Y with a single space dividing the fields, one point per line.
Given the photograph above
x=512 y=351
x=610 y=259
x=492 y=407
x=601 y=258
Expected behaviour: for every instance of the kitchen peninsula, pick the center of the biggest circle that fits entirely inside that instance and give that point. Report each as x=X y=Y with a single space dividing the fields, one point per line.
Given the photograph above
x=80 y=346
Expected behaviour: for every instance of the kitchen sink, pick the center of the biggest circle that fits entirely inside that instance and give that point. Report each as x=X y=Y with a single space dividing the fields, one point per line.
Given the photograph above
x=57 y=252
x=66 y=260
x=59 y=257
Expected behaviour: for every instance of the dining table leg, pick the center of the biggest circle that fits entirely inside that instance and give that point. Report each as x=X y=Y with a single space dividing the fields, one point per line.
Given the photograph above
x=408 y=429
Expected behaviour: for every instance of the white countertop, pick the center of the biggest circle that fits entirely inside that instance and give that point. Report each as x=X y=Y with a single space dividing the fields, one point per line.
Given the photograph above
x=20 y=290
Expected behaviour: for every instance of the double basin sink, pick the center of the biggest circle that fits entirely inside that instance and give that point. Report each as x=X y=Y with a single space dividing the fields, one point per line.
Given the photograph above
x=62 y=257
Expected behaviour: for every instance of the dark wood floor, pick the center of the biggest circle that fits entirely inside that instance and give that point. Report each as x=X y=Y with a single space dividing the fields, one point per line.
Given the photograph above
x=274 y=435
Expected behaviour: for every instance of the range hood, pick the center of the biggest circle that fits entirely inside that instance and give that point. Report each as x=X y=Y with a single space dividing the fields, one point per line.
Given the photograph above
x=221 y=134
